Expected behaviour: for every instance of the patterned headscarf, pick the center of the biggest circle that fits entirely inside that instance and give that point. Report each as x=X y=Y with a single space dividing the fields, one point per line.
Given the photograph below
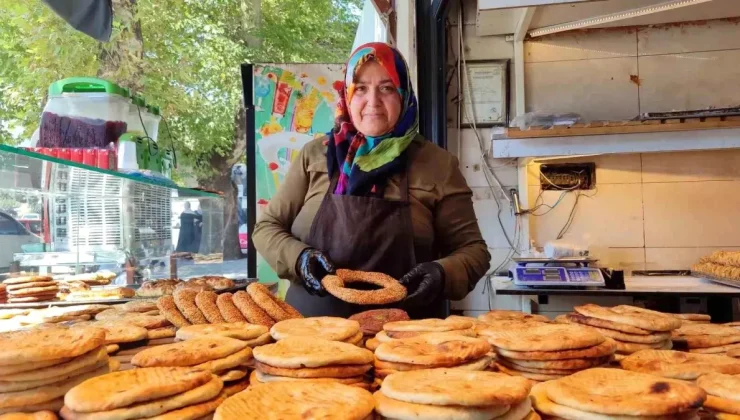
x=364 y=162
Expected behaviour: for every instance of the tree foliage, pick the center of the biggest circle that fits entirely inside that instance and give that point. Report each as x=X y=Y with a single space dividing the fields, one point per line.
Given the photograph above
x=189 y=65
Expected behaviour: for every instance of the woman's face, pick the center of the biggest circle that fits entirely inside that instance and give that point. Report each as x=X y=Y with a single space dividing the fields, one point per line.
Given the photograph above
x=376 y=104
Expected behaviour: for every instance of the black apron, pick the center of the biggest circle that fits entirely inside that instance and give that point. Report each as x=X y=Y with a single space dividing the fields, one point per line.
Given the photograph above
x=368 y=234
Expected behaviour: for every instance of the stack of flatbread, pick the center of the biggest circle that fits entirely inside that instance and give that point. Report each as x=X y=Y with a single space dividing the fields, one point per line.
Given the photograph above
x=173 y=393
x=495 y=316
x=188 y=306
x=600 y=394
x=680 y=365
x=252 y=335
x=372 y=321
x=302 y=359
x=429 y=351
x=142 y=313
x=407 y=329
x=226 y=357
x=54 y=315
x=31 y=289
x=3 y=293
x=706 y=338
x=632 y=328
x=693 y=318
x=723 y=395
x=38 y=366
x=297 y=401
x=454 y=394
x=543 y=351
x=326 y=327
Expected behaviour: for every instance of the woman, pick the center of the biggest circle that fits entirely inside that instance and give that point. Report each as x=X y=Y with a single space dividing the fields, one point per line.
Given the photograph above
x=373 y=195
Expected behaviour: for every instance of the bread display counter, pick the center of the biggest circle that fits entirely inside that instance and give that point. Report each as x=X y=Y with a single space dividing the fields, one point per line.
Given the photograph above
x=104 y=235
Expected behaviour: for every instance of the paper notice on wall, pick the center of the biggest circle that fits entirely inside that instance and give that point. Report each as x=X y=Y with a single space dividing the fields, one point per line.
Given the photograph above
x=484 y=92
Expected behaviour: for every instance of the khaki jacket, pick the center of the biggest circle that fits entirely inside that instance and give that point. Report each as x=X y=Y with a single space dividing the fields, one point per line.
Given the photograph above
x=440 y=203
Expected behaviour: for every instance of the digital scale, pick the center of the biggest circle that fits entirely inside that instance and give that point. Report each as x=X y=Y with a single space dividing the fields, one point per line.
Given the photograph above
x=562 y=272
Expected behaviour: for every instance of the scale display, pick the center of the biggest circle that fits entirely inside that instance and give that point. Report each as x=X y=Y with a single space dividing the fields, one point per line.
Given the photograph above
x=558 y=276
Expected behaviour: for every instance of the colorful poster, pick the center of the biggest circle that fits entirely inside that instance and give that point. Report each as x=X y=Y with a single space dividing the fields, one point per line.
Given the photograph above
x=294 y=103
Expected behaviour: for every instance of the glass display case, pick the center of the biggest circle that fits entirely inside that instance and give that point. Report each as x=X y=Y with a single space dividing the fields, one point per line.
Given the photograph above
x=62 y=218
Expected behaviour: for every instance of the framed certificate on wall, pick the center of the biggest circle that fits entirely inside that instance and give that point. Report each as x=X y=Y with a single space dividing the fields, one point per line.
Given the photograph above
x=485 y=93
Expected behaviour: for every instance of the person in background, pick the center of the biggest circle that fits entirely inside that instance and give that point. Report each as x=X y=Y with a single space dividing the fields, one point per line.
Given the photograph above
x=190 y=223
x=374 y=195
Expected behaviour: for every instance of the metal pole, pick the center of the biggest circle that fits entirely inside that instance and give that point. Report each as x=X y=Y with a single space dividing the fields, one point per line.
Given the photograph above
x=251 y=187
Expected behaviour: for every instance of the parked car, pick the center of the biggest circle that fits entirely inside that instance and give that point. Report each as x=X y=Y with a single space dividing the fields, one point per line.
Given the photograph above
x=13 y=235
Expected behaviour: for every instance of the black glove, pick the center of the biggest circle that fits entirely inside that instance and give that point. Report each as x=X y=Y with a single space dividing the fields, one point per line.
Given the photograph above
x=424 y=283
x=311 y=267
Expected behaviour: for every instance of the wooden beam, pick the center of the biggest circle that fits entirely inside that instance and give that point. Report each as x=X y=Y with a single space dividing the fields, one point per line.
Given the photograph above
x=508 y=4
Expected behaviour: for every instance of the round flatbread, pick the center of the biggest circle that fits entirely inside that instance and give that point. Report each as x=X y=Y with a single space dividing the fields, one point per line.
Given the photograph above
x=46 y=393
x=238 y=330
x=54 y=405
x=12 y=287
x=304 y=352
x=158 y=333
x=495 y=316
x=721 y=385
x=722 y=405
x=546 y=337
x=480 y=364
x=25 y=367
x=252 y=311
x=231 y=361
x=545 y=371
x=265 y=378
x=329 y=328
x=168 y=309
x=569 y=364
x=293 y=400
x=37 y=344
x=576 y=318
x=236 y=387
x=395 y=409
x=706 y=335
x=77 y=365
x=680 y=365
x=372 y=344
x=716 y=350
x=694 y=317
x=334 y=371
x=205 y=392
x=232 y=375
x=206 y=303
x=185 y=302
x=631 y=315
x=265 y=338
x=545 y=406
x=656 y=337
x=455 y=387
x=434 y=350
x=528 y=375
x=630 y=348
x=227 y=308
x=618 y=392
x=26 y=279
x=188 y=353
x=195 y=411
x=428 y=325
x=15 y=385
x=39 y=415
x=607 y=348
x=124 y=388
x=372 y=321
x=140 y=305
x=117 y=331
x=356 y=339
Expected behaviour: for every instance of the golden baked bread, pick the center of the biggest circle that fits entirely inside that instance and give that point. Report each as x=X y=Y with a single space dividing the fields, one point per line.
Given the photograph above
x=544 y=337
x=36 y=345
x=631 y=315
x=293 y=400
x=251 y=311
x=274 y=307
x=228 y=310
x=156 y=288
x=238 y=330
x=390 y=291
x=188 y=353
x=680 y=365
x=503 y=315
x=428 y=325
x=395 y=409
x=602 y=323
x=329 y=328
x=300 y=352
x=434 y=350
x=607 y=348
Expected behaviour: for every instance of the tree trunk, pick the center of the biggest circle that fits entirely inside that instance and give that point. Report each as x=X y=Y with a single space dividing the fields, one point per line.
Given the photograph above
x=122 y=59
x=222 y=182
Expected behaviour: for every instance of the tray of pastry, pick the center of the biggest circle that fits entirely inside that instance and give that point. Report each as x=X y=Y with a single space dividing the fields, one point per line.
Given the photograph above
x=717 y=279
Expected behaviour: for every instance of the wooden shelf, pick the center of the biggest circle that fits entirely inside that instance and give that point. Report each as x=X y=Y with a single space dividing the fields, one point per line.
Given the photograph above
x=600 y=128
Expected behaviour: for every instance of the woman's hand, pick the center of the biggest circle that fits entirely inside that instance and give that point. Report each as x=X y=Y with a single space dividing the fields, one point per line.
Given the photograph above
x=424 y=283
x=311 y=267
